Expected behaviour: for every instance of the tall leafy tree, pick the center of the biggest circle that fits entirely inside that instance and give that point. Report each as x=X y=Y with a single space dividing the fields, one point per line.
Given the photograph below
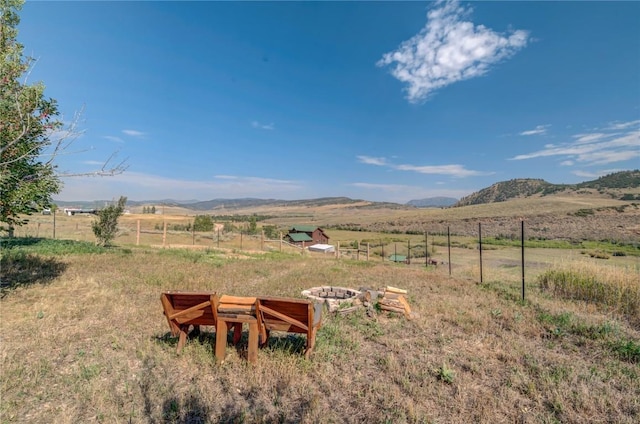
x=27 y=121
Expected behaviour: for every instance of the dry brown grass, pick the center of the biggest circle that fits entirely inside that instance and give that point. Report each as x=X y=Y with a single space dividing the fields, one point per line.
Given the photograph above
x=613 y=288
x=92 y=345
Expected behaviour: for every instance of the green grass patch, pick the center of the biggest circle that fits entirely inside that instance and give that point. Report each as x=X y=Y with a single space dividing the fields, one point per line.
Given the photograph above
x=566 y=324
x=46 y=246
x=612 y=248
x=626 y=350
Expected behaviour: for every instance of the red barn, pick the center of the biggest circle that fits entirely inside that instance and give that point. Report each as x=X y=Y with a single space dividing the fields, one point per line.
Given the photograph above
x=307 y=234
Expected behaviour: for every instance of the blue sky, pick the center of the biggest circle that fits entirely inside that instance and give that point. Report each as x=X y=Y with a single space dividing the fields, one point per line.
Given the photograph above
x=383 y=101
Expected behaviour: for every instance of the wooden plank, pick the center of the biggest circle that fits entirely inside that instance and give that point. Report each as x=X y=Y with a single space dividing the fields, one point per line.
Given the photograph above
x=237 y=300
x=278 y=325
x=392 y=309
x=190 y=310
x=236 y=309
x=284 y=317
x=407 y=308
x=395 y=290
x=391 y=302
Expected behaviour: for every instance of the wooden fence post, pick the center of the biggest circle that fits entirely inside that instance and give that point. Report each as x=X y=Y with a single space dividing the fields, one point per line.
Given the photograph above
x=367 y=252
x=426 y=249
x=138 y=233
x=164 y=233
x=449 y=248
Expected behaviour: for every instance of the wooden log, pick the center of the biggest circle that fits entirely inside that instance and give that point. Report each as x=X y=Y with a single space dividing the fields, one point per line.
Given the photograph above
x=393 y=296
x=404 y=302
x=395 y=290
x=392 y=303
x=346 y=311
x=365 y=296
x=392 y=309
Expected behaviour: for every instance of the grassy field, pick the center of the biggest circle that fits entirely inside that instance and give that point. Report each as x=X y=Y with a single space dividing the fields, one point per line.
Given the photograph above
x=84 y=340
x=83 y=337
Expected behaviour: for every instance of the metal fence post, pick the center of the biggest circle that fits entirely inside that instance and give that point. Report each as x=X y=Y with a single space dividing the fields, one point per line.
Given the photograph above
x=522 y=248
x=480 y=247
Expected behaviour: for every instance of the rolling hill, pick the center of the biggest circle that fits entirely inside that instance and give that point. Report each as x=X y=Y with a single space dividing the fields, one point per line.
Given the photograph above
x=620 y=185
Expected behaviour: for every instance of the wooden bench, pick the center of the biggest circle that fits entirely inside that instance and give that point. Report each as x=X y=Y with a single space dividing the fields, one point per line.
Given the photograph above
x=292 y=316
x=183 y=309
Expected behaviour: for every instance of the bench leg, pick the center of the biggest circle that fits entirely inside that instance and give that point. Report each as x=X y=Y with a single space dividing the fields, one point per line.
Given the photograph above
x=221 y=340
x=311 y=342
x=264 y=337
x=237 y=332
x=182 y=340
x=252 y=350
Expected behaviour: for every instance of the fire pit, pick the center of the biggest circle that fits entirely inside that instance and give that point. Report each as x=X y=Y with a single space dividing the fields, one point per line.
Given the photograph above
x=331 y=295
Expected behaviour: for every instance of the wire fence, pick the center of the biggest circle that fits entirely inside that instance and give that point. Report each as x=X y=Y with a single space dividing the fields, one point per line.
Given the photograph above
x=494 y=253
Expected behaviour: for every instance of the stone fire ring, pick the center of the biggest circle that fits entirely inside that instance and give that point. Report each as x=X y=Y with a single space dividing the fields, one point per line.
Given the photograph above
x=331 y=295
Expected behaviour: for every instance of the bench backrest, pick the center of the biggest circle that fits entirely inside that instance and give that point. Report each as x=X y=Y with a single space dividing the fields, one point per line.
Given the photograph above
x=291 y=315
x=189 y=308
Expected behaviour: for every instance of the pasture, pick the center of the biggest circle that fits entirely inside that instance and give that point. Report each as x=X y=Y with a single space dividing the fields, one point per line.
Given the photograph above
x=84 y=338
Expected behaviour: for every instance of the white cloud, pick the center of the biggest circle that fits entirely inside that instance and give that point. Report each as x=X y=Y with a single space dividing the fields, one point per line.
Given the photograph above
x=270 y=126
x=372 y=161
x=623 y=125
x=113 y=138
x=604 y=157
x=134 y=133
x=538 y=130
x=453 y=170
x=566 y=163
x=588 y=138
x=449 y=49
x=596 y=148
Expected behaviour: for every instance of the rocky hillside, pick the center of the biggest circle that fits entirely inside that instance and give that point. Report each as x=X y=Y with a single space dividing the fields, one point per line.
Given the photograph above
x=505 y=190
x=613 y=185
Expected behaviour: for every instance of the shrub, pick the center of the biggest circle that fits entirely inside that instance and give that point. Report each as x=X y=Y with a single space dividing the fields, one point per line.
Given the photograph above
x=105 y=228
x=203 y=223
